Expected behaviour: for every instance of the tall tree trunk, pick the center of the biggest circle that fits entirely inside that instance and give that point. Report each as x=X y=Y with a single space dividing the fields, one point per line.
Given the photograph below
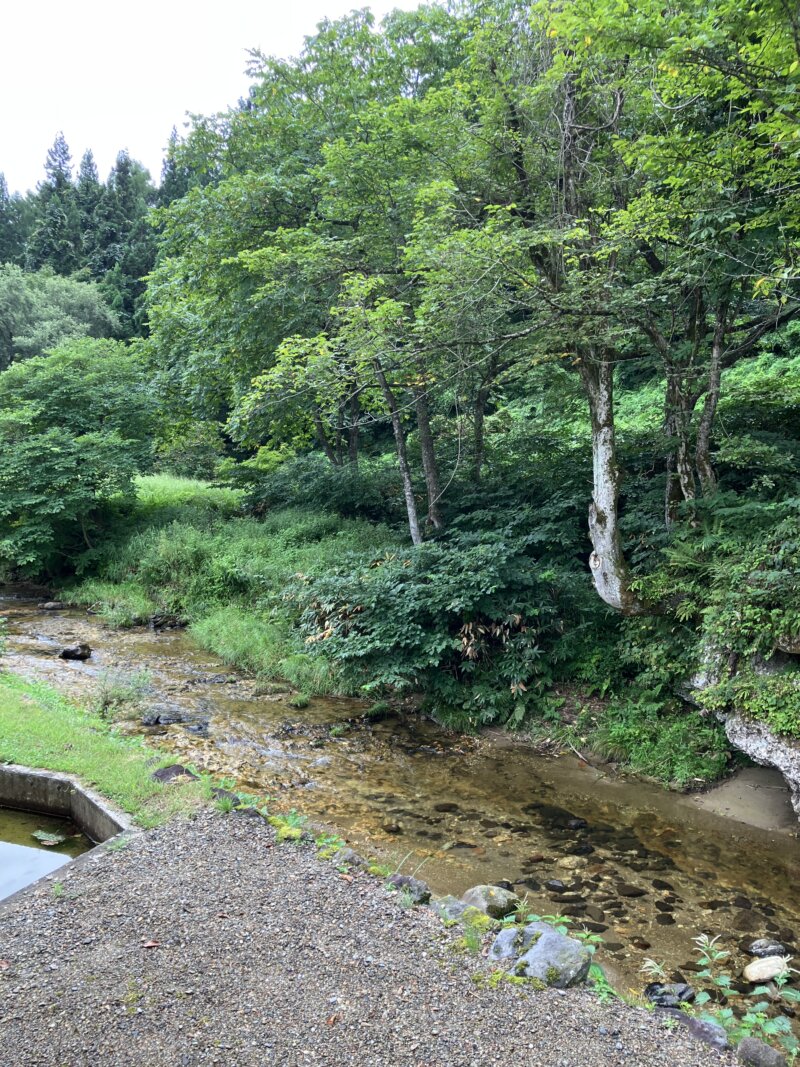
x=479 y=454
x=607 y=561
x=677 y=424
x=322 y=437
x=402 y=454
x=702 y=455
x=672 y=490
x=493 y=369
x=429 y=464
x=352 y=433
x=340 y=435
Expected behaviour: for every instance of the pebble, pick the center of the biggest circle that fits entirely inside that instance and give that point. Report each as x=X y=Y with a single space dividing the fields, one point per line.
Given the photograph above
x=625 y=889
x=764 y=970
x=265 y=937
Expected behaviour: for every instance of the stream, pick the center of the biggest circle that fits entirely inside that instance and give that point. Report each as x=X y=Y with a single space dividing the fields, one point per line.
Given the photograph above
x=647 y=869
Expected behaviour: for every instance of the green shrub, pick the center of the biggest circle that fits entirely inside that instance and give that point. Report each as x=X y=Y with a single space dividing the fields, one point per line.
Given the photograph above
x=679 y=747
x=473 y=621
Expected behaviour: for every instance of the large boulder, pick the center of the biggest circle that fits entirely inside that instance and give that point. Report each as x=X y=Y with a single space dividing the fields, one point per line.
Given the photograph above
x=552 y=958
x=507 y=945
x=749 y=735
x=757 y=741
x=492 y=900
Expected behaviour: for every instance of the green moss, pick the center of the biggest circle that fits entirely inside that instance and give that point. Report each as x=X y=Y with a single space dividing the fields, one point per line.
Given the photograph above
x=770 y=698
x=475 y=919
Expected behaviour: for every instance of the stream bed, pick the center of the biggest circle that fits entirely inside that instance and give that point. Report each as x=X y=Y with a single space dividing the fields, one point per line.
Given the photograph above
x=647 y=869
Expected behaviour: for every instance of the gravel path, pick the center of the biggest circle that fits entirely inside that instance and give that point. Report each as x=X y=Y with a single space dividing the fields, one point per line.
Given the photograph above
x=205 y=943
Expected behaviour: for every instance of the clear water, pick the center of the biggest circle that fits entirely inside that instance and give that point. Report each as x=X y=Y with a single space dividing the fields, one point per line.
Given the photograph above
x=458 y=810
x=23 y=859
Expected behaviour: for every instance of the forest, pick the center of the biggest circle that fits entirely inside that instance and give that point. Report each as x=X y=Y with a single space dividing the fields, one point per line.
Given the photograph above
x=458 y=362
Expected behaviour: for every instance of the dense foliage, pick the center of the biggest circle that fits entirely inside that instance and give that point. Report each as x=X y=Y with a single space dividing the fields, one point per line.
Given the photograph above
x=74 y=428
x=490 y=317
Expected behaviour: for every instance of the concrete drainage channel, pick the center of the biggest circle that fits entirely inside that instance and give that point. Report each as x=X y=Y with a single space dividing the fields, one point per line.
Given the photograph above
x=26 y=794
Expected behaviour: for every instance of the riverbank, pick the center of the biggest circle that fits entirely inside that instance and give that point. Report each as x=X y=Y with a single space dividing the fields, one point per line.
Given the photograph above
x=203 y=942
x=335 y=603
x=458 y=810
x=40 y=728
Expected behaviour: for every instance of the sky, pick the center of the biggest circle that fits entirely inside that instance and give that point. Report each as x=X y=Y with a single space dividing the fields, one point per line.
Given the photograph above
x=121 y=75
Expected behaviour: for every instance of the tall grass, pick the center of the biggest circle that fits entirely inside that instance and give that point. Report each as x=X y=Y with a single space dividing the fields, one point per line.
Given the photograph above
x=120 y=605
x=155 y=491
x=188 y=552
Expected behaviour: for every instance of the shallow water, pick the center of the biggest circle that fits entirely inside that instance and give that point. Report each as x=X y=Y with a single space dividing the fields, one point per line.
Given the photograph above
x=23 y=859
x=648 y=869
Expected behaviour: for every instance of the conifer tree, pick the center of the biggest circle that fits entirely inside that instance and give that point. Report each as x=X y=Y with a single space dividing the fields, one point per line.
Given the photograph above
x=56 y=238
x=88 y=196
x=175 y=175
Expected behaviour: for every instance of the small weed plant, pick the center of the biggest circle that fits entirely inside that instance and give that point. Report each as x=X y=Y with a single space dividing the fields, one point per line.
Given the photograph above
x=761 y=1016
x=119 y=694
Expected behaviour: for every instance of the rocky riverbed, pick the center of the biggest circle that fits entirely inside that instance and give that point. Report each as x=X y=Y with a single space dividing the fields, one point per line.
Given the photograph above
x=205 y=943
x=646 y=870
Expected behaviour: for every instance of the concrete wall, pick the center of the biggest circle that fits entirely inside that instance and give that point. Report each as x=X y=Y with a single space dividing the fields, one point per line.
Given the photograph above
x=60 y=794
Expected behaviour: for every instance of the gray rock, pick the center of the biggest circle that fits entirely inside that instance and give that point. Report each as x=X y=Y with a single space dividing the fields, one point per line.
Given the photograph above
x=171 y=773
x=448 y=908
x=417 y=890
x=553 y=958
x=709 y=1033
x=491 y=900
x=52 y=605
x=165 y=715
x=765 y=946
x=754 y=1053
x=669 y=994
x=79 y=652
x=200 y=728
x=506 y=945
x=346 y=857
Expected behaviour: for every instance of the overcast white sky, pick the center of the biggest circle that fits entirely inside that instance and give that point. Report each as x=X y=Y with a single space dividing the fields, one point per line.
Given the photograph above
x=116 y=75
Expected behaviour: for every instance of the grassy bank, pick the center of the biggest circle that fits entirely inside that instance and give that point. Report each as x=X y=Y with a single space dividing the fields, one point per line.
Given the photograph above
x=188 y=552
x=39 y=728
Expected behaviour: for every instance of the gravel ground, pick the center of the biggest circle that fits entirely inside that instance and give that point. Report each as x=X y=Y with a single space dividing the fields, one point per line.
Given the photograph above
x=203 y=942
